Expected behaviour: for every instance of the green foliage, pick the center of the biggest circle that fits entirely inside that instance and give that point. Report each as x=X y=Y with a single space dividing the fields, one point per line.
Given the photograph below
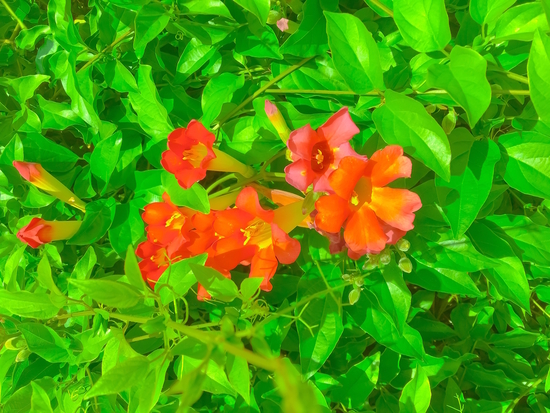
x=453 y=319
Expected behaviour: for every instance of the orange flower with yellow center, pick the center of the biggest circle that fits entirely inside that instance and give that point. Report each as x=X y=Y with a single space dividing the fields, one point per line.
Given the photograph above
x=372 y=214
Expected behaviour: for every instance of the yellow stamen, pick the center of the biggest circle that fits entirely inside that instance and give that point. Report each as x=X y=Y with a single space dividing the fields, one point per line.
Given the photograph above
x=319 y=157
x=174 y=216
x=354 y=199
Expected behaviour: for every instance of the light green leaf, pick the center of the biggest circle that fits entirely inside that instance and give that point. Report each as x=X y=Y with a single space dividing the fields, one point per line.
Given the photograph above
x=260 y=8
x=120 y=78
x=180 y=277
x=127 y=228
x=40 y=402
x=486 y=11
x=465 y=80
x=45 y=342
x=98 y=219
x=472 y=172
x=121 y=377
x=194 y=56
x=26 y=304
x=527 y=169
x=354 y=52
x=218 y=90
x=195 y=197
x=238 y=374
x=520 y=23
x=104 y=159
x=443 y=280
x=257 y=40
x=249 y=287
x=404 y=121
x=131 y=269
x=416 y=395
x=215 y=7
x=424 y=24
x=44 y=272
x=150 y=22
x=538 y=68
x=215 y=283
x=111 y=293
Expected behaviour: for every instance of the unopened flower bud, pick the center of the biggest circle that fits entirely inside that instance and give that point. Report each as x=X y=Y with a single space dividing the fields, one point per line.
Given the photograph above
x=403 y=245
x=359 y=282
x=385 y=257
x=354 y=296
x=277 y=120
x=449 y=122
x=345 y=277
x=15 y=343
x=430 y=108
x=23 y=355
x=405 y=264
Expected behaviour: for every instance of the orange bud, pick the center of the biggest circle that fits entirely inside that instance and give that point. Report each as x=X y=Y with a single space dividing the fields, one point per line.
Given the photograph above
x=42 y=179
x=277 y=120
x=40 y=231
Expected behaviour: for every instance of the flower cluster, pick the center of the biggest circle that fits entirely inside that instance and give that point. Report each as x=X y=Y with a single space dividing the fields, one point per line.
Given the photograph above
x=355 y=208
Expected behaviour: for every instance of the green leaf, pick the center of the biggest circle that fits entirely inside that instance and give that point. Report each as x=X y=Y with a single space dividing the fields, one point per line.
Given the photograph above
x=180 y=277
x=45 y=342
x=354 y=52
x=443 y=280
x=26 y=304
x=104 y=159
x=121 y=377
x=215 y=283
x=257 y=40
x=320 y=325
x=151 y=114
x=509 y=277
x=359 y=381
x=393 y=294
x=215 y=7
x=53 y=157
x=416 y=395
x=44 y=272
x=260 y=8
x=150 y=22
x=539 y=81
x=529 y=237
x=27 y=38
x=424 y=25
x=486 y=11
x=111 y=293
x=132 y=271
x=62 y=25
x=527 y=169
x=238 y=374
x=23 y=88
x=195 y=197
x=40 y=402
x=520 y=23
x=194 y=56
x=472 y=170
x=120 y=78
x=249 y=287
x=218 y=90
x=404 y=121
x=127 y=228
x=98 y=219
x=465 y=80
x=311 y=37
x=84 y=266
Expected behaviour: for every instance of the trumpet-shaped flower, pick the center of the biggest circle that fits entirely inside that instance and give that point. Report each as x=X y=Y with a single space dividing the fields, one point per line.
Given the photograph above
x=372 y=214
x=253 y=234
x=39 y=177
x=40 y=231
x=277 y=120
x=317 y=154
x=191 y=153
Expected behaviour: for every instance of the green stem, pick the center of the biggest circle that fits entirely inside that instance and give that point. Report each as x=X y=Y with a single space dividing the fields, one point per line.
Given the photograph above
x=386 y=10
x=377 y=93
x=220 y=181
x=262 y=90
x=519 y=78
x=105 y=50
x=525 y=393
x=10 y=11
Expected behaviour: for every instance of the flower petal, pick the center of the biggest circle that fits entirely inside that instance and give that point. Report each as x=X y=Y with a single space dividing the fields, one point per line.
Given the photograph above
x=344 y=179
x=388 y=164
x=345 y=150
x=338 y=129
x=157 y=213
x=264 y=264
x=231 y=221
x=299 y=174
x=332 y=212
x=248 y=201
x=286 y=248
x=301 y=142
x=396 y=207
x=363 y=232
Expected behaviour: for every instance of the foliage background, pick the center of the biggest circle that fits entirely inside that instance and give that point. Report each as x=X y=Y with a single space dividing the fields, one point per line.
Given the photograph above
x=91 y=90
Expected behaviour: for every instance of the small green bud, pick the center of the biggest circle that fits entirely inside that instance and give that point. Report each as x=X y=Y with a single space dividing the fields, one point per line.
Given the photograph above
x=23 y=355
x=405 y=264
x=403 y=245
x=345 y=277
x=373 y=258
x=430 y=108
x=385 y=257
x=354 y=296
x=15 y=343
x=359 y=282
x=368 y=266
x=449 y=122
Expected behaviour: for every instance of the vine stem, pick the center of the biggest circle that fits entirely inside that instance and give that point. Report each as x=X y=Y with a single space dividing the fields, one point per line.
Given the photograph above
x=525 y=393
x=11 y=12
x=379 y=4
x=105 y=50
x=262 y=90
x=377 y=93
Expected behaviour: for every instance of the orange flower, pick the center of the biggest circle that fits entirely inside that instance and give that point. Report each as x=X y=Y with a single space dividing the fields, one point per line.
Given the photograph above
x=250 y=225
x=191 y=153
x=372 y=214
x=40 y=231
x=156 y=258
x=39 y=177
